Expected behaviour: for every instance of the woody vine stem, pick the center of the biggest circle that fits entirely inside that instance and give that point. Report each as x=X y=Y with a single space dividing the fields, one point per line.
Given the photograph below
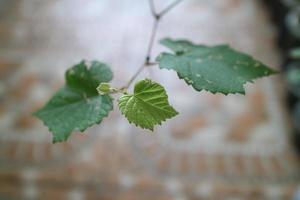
x=157 y=16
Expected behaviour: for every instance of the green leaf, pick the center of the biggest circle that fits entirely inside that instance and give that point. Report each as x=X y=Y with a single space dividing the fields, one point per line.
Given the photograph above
x=215 y=69
x=77 y=105
x=295 y=53
x=148 y=106
x=104 y=88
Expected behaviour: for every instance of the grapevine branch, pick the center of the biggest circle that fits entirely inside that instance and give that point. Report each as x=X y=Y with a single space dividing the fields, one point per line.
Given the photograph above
x=152 y=8
x=157 y=17
x=169 y=8
x=156 y=109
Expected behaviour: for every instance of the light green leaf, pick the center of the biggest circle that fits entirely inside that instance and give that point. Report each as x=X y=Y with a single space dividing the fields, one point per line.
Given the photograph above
x=77 y=105
x=215 y=69
x=104 y=88
x=147 y=106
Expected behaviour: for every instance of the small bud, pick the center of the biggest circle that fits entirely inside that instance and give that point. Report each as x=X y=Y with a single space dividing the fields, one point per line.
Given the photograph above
x=104 y=88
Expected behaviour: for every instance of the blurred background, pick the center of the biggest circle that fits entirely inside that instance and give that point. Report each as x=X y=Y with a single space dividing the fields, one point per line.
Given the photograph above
x=219 y=147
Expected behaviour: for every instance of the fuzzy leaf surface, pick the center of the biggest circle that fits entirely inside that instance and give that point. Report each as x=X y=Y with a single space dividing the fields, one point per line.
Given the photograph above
x=147 y=106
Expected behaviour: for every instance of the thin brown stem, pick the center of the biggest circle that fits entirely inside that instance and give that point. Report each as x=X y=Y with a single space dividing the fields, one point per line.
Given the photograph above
x=157 y=17
x=135 y=75
x=169 y=8
x=151 y=41
x=152 y=8
x=147 y=61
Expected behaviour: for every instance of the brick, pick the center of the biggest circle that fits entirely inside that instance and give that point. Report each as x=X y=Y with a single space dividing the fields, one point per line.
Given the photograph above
x=239 y=164
x=53 y=175
x=11 y=150
x=109 y=161
x=25 y=121
x=164 y=162
x=4 y=31
x=201 y=163
x=220 y=164
x=10 y=178
x=184 y=162
x=23 y=86
x=275 y=164
x=241 y=128
x=187 y=129
x=7 y=68
x=3 y=109
x=126 y=157
x=293 y=159
x=28 y=152
x=10 y=192
x=138 y=195
x=97 y=196
x=56 y=192
x=246 y=121
x=257 y=165
x=235 y=191
x=144 y=182
x=10 y=184
x=289 y=192
x=258 y=104
x=48 y=151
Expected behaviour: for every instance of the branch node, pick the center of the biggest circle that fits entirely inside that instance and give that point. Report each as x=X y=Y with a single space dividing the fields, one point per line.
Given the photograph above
x=157 y=17
x=147 y=60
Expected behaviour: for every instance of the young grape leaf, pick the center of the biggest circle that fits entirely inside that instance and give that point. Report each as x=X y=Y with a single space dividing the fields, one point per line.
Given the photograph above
x=77 y=105
x=104 y=88
x=215 y=69
x=148 y=105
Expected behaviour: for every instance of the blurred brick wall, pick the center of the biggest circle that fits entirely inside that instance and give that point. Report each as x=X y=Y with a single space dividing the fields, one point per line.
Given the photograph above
x=219 y=147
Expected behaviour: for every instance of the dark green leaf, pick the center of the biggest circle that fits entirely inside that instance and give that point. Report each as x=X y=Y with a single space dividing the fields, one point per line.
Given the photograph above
x=77 y=105
x=215 y=69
